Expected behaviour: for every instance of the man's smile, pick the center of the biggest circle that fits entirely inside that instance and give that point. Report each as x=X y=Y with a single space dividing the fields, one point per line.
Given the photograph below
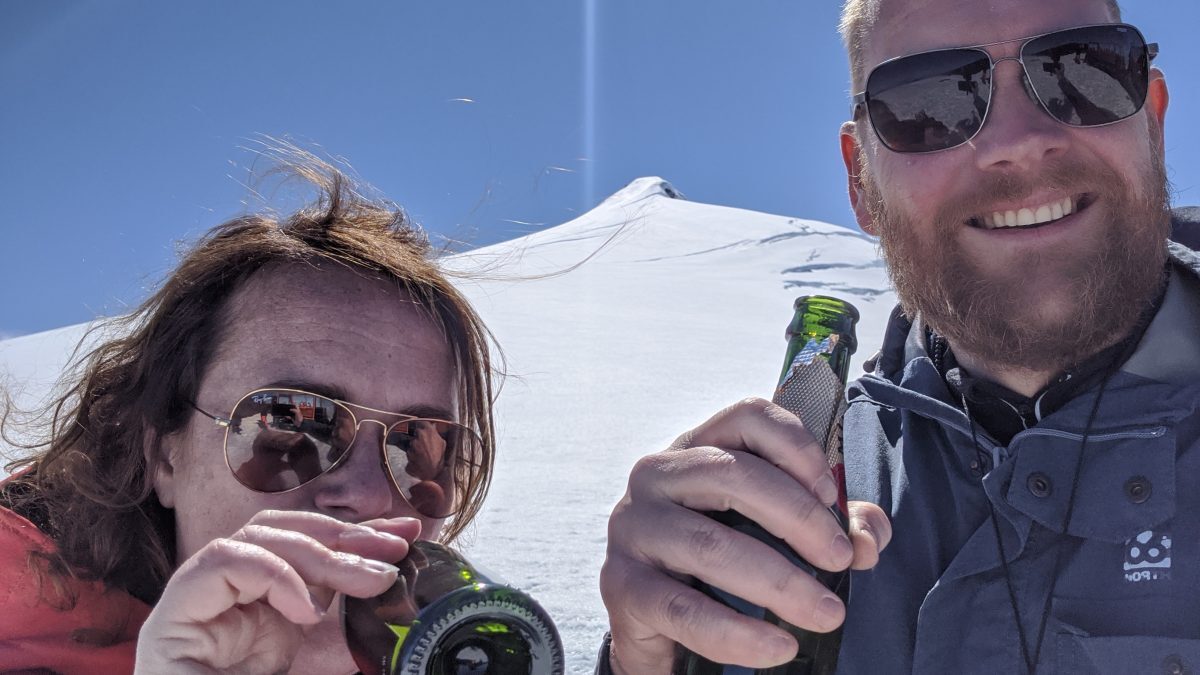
x=1035 y=215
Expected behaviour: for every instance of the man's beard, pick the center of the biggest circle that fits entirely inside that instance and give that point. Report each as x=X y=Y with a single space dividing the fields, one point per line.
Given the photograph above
x=987 y=314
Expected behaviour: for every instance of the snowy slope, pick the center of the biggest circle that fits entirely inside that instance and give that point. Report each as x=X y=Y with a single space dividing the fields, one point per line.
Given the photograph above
x=673 y=309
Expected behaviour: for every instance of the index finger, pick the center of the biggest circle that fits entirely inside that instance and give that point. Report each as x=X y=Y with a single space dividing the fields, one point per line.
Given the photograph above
x=757 y=426
x=379 y=540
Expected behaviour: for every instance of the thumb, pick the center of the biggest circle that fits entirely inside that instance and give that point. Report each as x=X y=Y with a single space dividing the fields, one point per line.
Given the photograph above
x=870 y=532
x=651 y=656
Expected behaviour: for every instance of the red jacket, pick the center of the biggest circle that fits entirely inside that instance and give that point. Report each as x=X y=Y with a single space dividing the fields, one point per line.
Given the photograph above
x=98 y=636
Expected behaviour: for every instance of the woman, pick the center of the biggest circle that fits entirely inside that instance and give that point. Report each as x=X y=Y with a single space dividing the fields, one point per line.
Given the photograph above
x=302 y=398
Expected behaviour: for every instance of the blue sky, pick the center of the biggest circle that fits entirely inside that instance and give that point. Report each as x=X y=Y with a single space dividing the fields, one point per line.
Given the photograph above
x=124 y=124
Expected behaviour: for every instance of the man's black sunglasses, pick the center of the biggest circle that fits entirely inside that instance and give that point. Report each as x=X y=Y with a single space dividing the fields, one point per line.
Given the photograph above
x=1084 y=77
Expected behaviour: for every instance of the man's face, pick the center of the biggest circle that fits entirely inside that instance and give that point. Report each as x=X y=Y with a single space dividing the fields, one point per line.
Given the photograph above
x=1035 y=299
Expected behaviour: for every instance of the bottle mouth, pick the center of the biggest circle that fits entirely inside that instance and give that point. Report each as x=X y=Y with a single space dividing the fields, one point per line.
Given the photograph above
x=824 y=314
x=493 y=632
x=443 y=616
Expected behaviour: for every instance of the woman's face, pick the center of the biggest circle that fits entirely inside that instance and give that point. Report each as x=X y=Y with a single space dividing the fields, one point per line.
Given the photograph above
x=332 y=331
x=335 y=332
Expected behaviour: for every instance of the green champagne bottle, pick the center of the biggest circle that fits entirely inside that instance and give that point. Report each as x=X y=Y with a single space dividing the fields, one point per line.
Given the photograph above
x=443 y=616
x=821 y=340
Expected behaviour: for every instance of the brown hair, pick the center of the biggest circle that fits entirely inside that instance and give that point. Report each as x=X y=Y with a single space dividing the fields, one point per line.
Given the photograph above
x=89 y=485
x=859 y=18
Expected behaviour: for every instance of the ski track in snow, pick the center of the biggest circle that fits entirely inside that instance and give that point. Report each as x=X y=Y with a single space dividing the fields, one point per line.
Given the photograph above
x=608 y=362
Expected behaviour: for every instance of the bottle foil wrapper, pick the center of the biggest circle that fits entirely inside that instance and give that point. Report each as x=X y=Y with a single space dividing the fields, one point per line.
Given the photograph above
x=815 y=394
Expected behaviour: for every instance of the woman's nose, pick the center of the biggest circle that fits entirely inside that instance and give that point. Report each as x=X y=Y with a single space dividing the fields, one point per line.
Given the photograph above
x=360 y=488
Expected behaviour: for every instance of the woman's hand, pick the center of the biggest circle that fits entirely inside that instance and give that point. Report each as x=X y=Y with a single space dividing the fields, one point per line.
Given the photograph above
x=241 y=604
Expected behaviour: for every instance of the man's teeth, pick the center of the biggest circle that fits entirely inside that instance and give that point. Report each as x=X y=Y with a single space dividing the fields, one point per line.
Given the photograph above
x=1046 y=213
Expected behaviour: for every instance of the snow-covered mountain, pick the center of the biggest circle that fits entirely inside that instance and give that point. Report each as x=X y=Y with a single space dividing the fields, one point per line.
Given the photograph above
x=622 y=328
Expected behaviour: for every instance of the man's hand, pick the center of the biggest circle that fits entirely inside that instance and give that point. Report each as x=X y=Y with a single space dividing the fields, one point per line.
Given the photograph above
x=757 y=459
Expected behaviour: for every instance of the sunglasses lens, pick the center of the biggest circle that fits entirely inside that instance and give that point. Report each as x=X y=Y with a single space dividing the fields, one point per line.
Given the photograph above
x=1089 y=76
x=421 y=456
x=278 y=439
x=929 y=101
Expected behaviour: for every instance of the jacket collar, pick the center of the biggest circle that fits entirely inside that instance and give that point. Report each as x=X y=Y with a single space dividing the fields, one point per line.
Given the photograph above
x=1170 y=351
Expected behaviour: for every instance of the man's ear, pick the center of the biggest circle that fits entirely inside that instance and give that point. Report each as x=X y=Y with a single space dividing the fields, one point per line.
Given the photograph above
x=854 y=184
x=160 y=463
x=1157 y=99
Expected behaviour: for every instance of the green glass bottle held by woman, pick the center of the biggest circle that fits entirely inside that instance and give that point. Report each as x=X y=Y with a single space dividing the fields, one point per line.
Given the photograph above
x=812 y=386
x=443 y=616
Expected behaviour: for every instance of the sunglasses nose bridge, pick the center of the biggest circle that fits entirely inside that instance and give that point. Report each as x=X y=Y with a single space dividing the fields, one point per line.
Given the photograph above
x=358 y=437
x=1022 y=72
x=1000 y=85
x=382 y=426
x=382 y=441
x=1026 y=83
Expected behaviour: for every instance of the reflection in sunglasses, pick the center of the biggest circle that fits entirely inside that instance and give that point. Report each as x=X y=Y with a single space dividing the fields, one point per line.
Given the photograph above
x=937 y=100
x=280 y=439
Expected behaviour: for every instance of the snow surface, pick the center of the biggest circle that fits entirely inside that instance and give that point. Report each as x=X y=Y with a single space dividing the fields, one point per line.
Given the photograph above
x=622 y=329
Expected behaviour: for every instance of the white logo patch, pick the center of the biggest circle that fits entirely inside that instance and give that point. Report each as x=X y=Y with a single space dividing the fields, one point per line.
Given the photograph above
x=1148 y=557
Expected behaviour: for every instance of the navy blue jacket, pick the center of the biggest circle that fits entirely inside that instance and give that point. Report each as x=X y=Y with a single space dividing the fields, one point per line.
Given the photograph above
x=1128 y=596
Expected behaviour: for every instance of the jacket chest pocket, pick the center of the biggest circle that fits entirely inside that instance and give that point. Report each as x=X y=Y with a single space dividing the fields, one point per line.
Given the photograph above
x=1084 y=654
x=1153 y=630
x=1126 y=482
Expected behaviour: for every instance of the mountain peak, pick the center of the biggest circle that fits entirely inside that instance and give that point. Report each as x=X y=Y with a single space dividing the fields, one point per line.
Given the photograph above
x=641 y=188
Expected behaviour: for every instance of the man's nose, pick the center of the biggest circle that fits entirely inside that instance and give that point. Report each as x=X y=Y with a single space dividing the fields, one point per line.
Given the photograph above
x=359 y=489
x=1017 y=135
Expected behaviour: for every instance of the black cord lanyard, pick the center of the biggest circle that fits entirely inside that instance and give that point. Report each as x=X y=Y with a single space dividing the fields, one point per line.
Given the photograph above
x=1031 y=660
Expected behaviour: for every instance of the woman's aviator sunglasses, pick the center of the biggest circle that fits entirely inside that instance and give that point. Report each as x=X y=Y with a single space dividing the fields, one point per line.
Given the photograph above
x=276 y=440
x=1083 y=77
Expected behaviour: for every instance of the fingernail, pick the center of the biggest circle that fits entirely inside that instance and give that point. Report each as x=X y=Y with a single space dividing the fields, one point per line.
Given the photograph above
x=390 y=522
x=409 y=525
x=782 y=645
x=827 y=490
x=829 y=612
x=319 y=608
x=380 y=566
x=362 y=534
x=841 y=550
x=389 y=537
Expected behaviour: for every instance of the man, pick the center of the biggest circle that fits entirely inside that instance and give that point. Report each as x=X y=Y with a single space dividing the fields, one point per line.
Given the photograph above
x=1030 y=430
